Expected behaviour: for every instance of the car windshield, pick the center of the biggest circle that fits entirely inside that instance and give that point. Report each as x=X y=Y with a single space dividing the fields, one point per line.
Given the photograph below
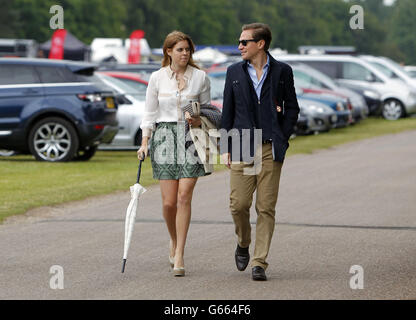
x=318 y=78
x=385 y=70
x=138 y=86
x=398 y=66
x=125 y=89
x=299 y=81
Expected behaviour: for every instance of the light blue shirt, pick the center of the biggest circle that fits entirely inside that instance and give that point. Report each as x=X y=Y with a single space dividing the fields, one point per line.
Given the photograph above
x=258 y=84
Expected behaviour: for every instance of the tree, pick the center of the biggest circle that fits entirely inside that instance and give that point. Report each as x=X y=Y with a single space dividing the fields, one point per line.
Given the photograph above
x=33 y=19
x=402 y=29
x=8 y=19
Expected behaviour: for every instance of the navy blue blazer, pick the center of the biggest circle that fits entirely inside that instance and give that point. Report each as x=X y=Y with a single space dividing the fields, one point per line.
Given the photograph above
x=241 y=112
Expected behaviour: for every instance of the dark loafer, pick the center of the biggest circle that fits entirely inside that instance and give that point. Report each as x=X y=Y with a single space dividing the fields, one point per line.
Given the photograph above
x=242 y=258
x=258 y=274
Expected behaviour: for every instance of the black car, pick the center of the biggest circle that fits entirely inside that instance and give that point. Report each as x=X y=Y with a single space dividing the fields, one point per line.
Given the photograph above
x=53 y=110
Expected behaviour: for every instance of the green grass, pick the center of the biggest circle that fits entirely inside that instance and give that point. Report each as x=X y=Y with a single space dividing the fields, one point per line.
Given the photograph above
x=368 y=128
x=26 y=183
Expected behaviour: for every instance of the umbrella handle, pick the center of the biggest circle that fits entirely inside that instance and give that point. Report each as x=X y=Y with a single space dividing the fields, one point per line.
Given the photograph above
x=139 y=171
x=124 y=265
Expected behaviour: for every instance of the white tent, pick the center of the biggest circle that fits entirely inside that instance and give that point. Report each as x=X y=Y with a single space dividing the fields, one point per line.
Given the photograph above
x=209 y=55
x=103 y=48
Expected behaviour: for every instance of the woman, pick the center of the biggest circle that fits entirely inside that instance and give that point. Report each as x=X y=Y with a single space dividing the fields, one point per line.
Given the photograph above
x=175 y=85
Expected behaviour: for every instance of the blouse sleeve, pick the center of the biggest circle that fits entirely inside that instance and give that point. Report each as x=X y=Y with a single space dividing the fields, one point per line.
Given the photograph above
x=151 y=108
x=205 y=94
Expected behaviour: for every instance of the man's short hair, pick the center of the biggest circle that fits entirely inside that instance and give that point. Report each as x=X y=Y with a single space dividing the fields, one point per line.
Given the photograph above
x=261 y=31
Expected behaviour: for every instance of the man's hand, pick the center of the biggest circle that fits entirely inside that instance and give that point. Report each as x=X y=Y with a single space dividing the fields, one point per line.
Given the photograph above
x=226 y=159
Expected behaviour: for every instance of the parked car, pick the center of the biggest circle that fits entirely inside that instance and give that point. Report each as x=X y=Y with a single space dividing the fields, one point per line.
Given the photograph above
x=302 y=125
x=217 y=81
x=391 y=69
x=365 y=101
x=399 y=99
x=314 y=81
x=129 y=115
x=306 y=88
x=144 y=70
x=18 y=48
x=53 y=110
x=321 y=117
x=132 y=80
x=339 y=105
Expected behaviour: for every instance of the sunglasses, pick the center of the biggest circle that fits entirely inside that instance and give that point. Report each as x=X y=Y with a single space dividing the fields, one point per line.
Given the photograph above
x=245 y=42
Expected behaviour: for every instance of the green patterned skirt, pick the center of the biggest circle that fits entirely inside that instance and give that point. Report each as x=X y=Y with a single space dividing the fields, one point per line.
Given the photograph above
x=172 y=157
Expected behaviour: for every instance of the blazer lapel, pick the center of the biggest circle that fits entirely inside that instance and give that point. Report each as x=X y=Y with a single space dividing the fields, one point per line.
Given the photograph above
x=247 y=87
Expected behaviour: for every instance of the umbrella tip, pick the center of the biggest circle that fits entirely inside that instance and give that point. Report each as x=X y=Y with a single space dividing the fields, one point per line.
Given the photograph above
x=124 y=265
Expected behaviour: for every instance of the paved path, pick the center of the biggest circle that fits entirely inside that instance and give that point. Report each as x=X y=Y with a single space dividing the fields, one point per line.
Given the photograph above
x=350 y=205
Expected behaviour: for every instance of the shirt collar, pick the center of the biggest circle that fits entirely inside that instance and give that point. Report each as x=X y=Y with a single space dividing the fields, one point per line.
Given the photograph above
x=187 y=75
x=265 y=66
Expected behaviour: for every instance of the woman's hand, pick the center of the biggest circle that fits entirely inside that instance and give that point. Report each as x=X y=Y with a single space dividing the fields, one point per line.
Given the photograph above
x=143 y=150
x=192 y=121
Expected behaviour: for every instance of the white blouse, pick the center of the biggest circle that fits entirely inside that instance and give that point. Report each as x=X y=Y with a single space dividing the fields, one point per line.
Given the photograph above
x=164 y=99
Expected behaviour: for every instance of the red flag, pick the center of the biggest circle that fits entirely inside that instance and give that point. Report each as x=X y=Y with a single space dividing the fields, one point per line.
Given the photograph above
x=57 y=44
x=134 y=51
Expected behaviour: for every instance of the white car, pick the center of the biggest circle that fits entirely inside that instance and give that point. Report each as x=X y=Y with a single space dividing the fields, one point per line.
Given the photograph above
x=129 y=114
x=411 y=70
x=399 y=98
x=391 y=69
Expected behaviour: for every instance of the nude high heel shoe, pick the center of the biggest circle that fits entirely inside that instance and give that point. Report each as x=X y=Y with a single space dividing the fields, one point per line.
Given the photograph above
x=179 y=272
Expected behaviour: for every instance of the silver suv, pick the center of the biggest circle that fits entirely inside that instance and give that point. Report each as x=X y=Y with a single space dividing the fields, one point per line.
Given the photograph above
x=399 y=98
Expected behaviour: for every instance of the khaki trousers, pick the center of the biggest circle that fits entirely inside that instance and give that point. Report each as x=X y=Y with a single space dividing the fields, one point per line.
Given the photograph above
x=266 y=182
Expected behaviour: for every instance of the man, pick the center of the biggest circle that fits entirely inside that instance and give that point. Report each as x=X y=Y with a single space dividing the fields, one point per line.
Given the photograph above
x=259 y=94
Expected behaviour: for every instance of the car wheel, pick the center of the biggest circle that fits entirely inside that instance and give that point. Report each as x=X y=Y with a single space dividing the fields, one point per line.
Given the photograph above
x=53 y=139
x=392 y=109
x=86 y=154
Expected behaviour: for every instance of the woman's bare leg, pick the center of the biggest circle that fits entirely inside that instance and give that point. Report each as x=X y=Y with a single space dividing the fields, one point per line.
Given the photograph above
x=183 y=217
x=169 y=191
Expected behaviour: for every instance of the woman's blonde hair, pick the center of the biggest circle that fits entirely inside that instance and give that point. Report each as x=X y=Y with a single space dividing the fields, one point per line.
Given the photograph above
x=171 y=40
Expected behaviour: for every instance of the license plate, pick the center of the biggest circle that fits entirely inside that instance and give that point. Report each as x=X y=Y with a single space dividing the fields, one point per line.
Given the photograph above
x=110 y=103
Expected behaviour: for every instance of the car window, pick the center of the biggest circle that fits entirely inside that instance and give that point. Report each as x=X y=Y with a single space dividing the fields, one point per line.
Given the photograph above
x=327 y=67
x=125 y=88
x=140 y=87
x=17 y=74
x=388 y=72
x=301 y=76
x=56 y=75
x=354 y=71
